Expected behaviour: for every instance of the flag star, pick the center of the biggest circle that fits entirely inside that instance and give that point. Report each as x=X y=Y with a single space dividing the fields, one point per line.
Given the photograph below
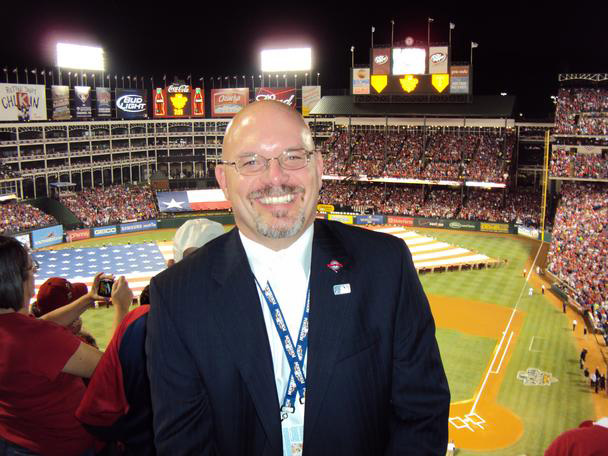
x=146 y=261
x=78 y=258
x=77 y=250
x=103 y=248
x=65 y=254
x=79 y=264
x=120 y=270
x=52 y=251
x=147 y=267
x=65 y=269
x=78 y=270
x=119 y=264
x=129 y=253
x=92 y=259
x=104 y=255
x=173 y=204
x=91 y=253
x=140 y=248
x=65 y=261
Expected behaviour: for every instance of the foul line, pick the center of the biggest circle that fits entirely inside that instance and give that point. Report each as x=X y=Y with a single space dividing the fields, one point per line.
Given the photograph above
x=504 y=352
x=505 y=332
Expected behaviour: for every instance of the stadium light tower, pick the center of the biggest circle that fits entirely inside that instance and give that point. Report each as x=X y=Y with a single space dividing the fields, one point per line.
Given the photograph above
x=290 y=59
x=78 y=57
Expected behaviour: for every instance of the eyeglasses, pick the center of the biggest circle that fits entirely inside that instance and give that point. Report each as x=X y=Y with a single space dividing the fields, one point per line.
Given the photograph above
x=35 y=266
x=290 y=159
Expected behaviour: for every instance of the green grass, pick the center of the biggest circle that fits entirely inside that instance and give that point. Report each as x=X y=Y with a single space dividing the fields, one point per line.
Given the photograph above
x=546 y=411
x=465 y=358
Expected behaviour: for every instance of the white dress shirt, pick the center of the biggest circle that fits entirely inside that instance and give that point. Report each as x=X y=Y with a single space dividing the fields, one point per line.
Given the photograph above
x=288 y=272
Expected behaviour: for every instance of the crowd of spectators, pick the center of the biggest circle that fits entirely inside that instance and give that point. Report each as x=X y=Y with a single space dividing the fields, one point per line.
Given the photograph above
x=16 y=217
x=6 y=172
x=116 y=203
x=567 y=162
x=411 y=153
x=582 y=111
x=580 y=242
x=520 y=206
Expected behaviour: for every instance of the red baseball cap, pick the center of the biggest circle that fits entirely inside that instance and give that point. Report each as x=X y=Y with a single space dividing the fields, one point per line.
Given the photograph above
x=56 y=292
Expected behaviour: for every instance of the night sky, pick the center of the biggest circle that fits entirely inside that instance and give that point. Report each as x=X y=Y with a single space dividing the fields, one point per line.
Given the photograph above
x=521 y=49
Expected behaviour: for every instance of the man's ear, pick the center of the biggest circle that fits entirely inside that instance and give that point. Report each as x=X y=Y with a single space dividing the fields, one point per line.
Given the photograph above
x=319 y=165
x=220 y=176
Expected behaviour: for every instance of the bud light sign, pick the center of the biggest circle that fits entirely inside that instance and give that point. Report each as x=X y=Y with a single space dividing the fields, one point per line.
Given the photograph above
x=285 y=95
x=131 y=104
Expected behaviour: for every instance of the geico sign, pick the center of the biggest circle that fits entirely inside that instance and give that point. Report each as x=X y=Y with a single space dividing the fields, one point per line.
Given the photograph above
x=272 y=96
x=106 y=230
x=131 y=103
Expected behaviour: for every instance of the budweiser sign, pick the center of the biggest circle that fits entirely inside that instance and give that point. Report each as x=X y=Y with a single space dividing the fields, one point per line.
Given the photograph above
x=227 y=102
x=285 y=95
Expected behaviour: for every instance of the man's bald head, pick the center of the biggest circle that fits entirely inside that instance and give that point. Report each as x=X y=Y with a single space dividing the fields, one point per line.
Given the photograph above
x=265 y=115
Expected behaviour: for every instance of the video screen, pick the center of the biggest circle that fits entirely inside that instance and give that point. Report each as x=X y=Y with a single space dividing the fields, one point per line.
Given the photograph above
x=409 y=61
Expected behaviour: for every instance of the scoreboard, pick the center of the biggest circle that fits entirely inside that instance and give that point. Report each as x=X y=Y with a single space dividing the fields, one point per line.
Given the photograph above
x=411 y=71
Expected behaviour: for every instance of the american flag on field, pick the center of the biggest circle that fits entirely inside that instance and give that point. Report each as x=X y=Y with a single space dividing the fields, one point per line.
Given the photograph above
x=137 y=262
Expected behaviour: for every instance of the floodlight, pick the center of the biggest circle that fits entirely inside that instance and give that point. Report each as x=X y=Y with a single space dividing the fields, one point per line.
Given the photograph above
x=294 y=59
x=80 y=57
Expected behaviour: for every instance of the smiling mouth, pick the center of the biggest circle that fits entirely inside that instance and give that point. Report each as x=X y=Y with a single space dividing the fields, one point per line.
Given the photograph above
x=284 y=199
x=276 y=195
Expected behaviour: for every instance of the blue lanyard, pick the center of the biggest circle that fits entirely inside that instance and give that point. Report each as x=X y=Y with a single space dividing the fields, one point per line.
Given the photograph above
x=295 y=357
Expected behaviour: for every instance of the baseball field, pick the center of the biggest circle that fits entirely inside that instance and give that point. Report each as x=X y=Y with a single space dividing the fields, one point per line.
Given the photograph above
x=511 y=358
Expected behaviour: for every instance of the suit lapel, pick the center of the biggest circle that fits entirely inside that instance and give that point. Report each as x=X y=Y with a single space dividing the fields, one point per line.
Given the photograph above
x=326 y=319
x=240 y=319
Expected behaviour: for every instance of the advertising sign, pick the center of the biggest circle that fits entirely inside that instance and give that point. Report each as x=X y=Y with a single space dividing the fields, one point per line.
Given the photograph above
x=138 y=226
x=76 y=235
x=61 y=102
x=341 y=218
x=381 y=61
x=104 y=231
x=360 y=81
x=24 y=239
x=325 y=208
x=494 y=227
x=369 y=220
x=528 y=232
x=460 y=79
x=104 y=102
x=430 y=223
x=22 y=102
x=131 y=104
x=396 y=220
x=228 y=102
x=286 y=95
x=310 y=97
x=82 y=102
x=47 y=236
x=178 y=100
x=438 y=59
x=463 y=225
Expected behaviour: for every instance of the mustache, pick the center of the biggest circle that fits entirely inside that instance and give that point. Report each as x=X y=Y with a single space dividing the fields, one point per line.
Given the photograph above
x=275 y=191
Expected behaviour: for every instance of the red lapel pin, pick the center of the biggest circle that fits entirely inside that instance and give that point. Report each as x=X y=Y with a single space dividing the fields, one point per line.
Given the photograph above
x=335 y=265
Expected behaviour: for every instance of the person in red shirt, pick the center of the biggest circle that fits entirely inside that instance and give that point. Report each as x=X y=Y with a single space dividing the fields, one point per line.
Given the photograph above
x=589 y=439
x=42 y=363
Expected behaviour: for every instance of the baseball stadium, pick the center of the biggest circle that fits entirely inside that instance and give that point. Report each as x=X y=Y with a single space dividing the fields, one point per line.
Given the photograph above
x=506 y=219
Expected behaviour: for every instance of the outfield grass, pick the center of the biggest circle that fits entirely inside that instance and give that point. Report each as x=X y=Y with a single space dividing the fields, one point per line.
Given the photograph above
x=545 y=410
x=464 y=359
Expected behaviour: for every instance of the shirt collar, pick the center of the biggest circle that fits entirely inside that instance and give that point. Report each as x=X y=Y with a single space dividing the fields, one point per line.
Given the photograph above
x=262 y=259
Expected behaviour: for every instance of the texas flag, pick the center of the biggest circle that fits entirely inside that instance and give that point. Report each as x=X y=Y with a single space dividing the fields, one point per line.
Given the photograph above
x=192 y=200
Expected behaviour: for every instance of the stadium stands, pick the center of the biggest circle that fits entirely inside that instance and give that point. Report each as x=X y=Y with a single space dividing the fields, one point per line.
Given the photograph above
x=436 y=154
x=16 y=217
x=117 y=203
x=580 y=243
x=582 y=111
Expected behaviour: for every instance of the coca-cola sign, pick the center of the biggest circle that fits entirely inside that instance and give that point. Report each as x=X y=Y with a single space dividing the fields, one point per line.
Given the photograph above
x=285 y=95
x=175 y=88
x=227 y=102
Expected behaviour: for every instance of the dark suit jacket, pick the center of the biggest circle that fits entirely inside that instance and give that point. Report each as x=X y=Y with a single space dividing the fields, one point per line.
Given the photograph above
x=375 y=382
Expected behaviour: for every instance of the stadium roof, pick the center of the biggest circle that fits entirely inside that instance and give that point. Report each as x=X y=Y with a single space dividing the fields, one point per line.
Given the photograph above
x=486 y=106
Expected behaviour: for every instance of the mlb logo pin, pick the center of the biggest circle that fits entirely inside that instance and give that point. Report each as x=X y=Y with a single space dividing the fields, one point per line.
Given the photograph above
x=342 y=288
